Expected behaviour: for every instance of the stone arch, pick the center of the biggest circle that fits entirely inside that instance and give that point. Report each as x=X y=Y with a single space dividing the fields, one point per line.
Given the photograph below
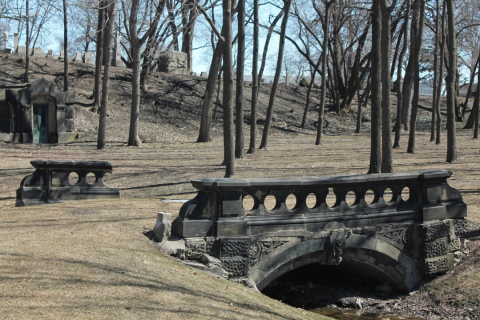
x=374 y=254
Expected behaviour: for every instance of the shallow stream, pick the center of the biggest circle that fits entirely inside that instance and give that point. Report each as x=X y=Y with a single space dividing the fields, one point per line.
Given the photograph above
x=339 y=292
x=342 y=314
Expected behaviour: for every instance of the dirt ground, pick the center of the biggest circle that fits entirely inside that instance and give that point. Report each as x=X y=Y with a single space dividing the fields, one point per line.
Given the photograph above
x=90 y=259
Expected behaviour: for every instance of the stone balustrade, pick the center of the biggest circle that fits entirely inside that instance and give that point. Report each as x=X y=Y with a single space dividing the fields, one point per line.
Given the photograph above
x=57 y=181
x=240 y=206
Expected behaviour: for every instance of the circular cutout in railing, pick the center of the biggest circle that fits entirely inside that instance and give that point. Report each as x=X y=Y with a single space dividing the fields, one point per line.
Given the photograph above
x=388 y=195
x=248 y=202
x=311 y=200
x=91 y=178
x=270 y=202
x=291 y=201
x=331 y=198
x=369 y=196
x=73 y=178
x=406 y=194
x=350 y=198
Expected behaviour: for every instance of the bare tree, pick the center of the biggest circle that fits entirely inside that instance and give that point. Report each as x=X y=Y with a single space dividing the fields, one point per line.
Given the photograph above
x=98 y=56
x=239 y=132
x=27 y=40
x=136 y=43
x=399 y=88
x=253 y=110
x=110 y=8
x=323 y=88
x=417 y=38
x=228 y=144
x=450 y=83
x=375 y=136
x=386 y=45
x=281 y=46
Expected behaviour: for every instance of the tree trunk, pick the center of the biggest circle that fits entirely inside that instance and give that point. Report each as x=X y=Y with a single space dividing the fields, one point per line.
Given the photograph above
x=450 y=83
x=386 y=44
x=107 y=49
x=239 y=126
x=206 y=120
x=65 y=46
x=362 y=101
x=440 y=80
x=173 y=26
x=409 y=73
x=217 y=101
x=98 y=56
x=133 y=138
x=435 y=70
x=188 y=17
x=469 y=91
x=27 y=42
x=375 y=137
x=253 y=111
x=265 y=48
x=228 y=143
x=417 y=38
x=323 y=88
x=398 y=120
x=310 y=85
x=476 y=104
x=470 y=120
x=273 y=94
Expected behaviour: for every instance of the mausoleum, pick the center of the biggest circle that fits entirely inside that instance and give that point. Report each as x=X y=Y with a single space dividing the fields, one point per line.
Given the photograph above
x=36 y=112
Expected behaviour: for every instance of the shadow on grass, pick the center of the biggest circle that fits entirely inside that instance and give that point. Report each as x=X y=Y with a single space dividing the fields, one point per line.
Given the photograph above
x=120 y=277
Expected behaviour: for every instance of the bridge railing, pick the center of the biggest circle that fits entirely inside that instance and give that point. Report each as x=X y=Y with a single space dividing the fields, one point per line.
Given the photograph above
x=61 y=180
x=253 y=206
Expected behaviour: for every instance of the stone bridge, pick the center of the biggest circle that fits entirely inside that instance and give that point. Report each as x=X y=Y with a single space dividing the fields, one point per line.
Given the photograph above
x=397 y=227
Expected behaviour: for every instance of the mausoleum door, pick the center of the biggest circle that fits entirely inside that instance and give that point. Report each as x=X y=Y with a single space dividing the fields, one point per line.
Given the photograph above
x=40 y=123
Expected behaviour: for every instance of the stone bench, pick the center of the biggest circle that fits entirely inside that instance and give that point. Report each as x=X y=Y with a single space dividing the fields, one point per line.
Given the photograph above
x=58 y=180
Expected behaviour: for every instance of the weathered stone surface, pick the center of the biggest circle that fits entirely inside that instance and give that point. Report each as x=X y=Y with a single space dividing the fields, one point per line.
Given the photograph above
x=436 y=248
x=88 y=58
x=234 y=248
x=353 y=303
x=435 y=230
x=461 y=226
x=194 y=248
x=174 y=62
x=174 y=247
x=439 y=264
x=163 y=226
x=235 y=267
x=210 y=261
x=78 y=57
x=454 y=245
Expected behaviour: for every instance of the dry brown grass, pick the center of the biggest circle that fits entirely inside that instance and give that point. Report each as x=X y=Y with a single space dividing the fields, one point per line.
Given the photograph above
x=90 y=259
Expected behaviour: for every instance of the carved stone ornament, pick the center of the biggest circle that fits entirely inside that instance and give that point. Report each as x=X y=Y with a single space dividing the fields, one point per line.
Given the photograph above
x=403 y=237
x=261 y=248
